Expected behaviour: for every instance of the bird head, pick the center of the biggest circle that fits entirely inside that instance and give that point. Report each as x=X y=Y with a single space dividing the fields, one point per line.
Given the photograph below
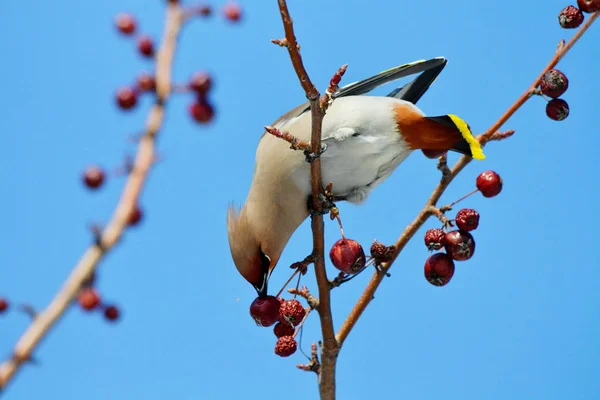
x=248 y=256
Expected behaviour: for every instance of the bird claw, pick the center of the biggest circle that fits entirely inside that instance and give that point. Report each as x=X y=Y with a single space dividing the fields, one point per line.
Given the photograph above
x=326 y=204
x=310 y=156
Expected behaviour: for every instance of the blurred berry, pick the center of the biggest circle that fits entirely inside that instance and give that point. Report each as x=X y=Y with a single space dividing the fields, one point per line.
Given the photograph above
x=93 y=177
x=146 y=82
x=205 y=11
x=145 y=46
x=557 y=109
x=201 y=111
x=554 y=83
x=88 y=298
x=570 y=17
x=232 y=12
x=126 y=98
x=135 y=216
x=125 y=23
x=3 y=304
x=201 y=82
x=111 y=313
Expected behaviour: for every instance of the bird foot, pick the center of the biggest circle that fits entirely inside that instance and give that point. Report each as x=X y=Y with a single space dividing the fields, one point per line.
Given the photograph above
x=310 y=156
x=325 y=201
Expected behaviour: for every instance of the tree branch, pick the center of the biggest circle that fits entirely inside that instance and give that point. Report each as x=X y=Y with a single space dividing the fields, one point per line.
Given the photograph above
x=45 y=320
x=425 y=213
x=330 y=348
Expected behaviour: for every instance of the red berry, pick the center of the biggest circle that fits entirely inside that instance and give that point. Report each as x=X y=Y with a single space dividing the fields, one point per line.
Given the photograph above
x=467 y=219
x=125 y=23
x=557 y=109
x=283 y=329
x=460 y=245
x=382 y=253
x=554 y=83
x=291 y=311
x=433 y=153
x=126 y=98
x=135 y=216
x=439 y=269
x=3 y=304
x=201 y=111
x=201 y=82
x=111 y=313
x=265 y=310
x=285 y=346
x=88 y=298
x=93 y=177
x=146 y=46
x=435 y=239
x=348 y=256
x=570 y=17
x=489 y=183
x=589 y=6
x=232 y=12
x=146 y=82
x=205 y=11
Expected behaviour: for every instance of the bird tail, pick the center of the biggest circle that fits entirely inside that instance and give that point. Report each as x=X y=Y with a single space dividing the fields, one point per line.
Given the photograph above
x=413 y=90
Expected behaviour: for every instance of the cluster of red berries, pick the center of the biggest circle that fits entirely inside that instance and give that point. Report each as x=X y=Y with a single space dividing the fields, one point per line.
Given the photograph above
x=554 y=83
x=459 y=244
x=285 y=314
x=89 y=300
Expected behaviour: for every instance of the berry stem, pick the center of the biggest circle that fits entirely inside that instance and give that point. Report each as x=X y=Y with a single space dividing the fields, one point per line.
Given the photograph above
x=299 y=327
x=288 y=282
x=449 y=206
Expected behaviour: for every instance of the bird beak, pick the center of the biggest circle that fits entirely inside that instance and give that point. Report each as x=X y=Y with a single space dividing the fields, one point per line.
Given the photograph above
x=262 y=287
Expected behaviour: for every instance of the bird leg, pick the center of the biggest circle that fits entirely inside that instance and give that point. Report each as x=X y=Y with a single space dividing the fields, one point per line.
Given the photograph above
x=310 y=156
x=325 y=203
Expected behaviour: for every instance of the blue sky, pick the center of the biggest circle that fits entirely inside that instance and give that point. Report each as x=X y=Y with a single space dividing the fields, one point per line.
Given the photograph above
x=519 y=320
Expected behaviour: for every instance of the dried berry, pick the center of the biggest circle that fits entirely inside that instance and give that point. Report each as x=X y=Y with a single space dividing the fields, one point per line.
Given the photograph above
x=135 y=216
x=291 y=311
x=283 y=329
x=3 y=304
x=201 y=83
x=201 y=111
x=382 y=253
x=111 y=313
x=205 y=11
x=433 y=153
x=285 y=346
x=232 y=12
x=439 y=269
x=125 y=23
x=146 y=82
x=435 y=239
x=348 y=256
x=93 y=177
x=554 y=83
x=460 y=245
x=570 y=17
x=589 y=6
x=467 y=219
x=489 y=183
x=145 y=46
x=557 y=109
x=265 y=310
x=88 y=298
x=126 y=98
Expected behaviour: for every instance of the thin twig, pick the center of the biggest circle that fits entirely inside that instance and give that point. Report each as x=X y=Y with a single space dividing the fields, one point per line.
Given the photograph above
x=111 y=235
x=425 y=213
x=330 y=348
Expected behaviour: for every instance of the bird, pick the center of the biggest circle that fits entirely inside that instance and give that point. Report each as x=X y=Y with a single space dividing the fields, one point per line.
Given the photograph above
x=365 y=139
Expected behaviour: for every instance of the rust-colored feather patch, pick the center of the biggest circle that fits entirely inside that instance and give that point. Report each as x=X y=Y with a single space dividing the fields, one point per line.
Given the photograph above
x=421 y=133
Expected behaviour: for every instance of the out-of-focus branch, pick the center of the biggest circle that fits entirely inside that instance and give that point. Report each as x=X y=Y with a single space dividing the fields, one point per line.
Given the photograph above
x=330 y=348
x=113 y=232
x=425 y=213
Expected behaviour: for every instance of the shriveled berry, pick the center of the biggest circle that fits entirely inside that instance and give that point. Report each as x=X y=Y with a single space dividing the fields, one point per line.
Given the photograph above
x=146 y=82
x=265 y=310
x=3 y=304
x=125 y=23
x=435 y=239
x=557 y=109
x=111 y=313
x=202 y=111
x=467 y=219
x=554 y=83
x=126 y=98
x=348 y=256
x=135 y=216
x=145 y=46
x=489 y=183
x=589 y=6
x=570 y=17
x=382 y=253
x=201 y=82
x=291 y=311
x=88 y=298
x=433 y=153
x=460 y=245
x=285 y=346
x=232 y=12
x=439 y=269
x=93 y=177
x=283 y=329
